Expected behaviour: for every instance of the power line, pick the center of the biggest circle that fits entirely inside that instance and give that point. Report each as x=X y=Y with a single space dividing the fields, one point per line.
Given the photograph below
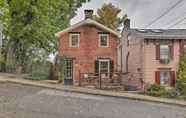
x=171 y=21
x=181 y=20
x=163 y=14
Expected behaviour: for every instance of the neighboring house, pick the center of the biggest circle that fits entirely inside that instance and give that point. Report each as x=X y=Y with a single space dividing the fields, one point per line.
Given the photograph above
x=151 y=56
x=88 y=47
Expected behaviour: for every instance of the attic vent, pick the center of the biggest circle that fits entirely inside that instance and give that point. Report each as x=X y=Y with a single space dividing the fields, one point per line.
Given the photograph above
x=157 y=31
x=141 y=30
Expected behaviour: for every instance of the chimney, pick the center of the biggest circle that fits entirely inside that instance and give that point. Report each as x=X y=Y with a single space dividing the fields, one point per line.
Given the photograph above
x=127 y=23
x=88 y=13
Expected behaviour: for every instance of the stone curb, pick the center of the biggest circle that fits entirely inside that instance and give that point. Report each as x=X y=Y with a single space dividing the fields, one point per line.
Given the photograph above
x=98 y=92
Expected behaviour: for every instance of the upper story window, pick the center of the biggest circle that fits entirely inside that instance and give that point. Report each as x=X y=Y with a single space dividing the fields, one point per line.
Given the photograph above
x=103 y=40
x=74 y=39
x=184 y=46
x=164 y=51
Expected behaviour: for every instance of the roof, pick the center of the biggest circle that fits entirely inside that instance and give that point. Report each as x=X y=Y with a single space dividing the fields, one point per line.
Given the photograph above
x=160 y=33
x=87 y=22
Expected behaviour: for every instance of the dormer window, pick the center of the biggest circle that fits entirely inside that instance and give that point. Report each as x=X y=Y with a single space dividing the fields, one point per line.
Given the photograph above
x=103 y=40
x=74 y=39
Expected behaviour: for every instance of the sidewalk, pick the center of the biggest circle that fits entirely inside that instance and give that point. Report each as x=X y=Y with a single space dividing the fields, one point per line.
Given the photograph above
x=17 y=79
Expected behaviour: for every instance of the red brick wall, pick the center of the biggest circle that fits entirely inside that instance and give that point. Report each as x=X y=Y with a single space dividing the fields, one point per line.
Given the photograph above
x=88 y=50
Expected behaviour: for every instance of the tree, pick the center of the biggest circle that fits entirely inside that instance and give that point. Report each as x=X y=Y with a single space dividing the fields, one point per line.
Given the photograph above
x=31 y=24
x=108 y=15
x=181 y=76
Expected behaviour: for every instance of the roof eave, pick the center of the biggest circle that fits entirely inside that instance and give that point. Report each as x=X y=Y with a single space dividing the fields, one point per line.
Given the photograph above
x=165 y=37
x=85 y=22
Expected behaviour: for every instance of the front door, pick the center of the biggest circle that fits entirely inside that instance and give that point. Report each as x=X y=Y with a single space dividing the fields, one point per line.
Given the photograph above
x=104 y=68
x=68 y=80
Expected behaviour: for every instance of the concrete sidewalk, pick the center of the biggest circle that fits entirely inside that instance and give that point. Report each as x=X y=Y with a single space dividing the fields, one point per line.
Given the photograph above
x=17 y=79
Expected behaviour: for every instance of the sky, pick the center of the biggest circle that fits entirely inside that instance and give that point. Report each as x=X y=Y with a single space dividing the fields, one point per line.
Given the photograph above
x=143 y=12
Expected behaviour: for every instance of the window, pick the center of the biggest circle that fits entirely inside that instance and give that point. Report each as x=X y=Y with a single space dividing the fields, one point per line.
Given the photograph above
x=184 y=47
x=165 y=78
x=164 y=51
x=104 y=68
x=74 y=40
x=103 y=40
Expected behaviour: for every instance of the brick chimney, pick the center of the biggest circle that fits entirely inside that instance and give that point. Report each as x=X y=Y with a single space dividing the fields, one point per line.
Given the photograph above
x=88 y=13
x=127 y=23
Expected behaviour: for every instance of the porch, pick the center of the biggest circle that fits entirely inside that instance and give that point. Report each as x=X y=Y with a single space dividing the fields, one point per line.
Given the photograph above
x=101 y=81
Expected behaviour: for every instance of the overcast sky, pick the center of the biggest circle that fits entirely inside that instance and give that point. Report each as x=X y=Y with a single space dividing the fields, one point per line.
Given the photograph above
x=142 y=12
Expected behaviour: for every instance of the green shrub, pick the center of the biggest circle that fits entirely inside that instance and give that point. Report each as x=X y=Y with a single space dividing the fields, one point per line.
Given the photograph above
x=157 y=91
x=40 y=71
x=37 y=76
x=181 y=76
x=173 y=93
x=181 y=87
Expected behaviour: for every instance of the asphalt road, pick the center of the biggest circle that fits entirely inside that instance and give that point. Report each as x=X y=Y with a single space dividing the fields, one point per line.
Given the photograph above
x=18 y=101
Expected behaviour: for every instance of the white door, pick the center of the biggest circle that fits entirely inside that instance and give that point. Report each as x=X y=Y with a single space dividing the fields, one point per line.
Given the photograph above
x=104 y=68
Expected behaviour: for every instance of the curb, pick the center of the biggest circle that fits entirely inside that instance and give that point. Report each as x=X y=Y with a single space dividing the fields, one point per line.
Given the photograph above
x=98 y=92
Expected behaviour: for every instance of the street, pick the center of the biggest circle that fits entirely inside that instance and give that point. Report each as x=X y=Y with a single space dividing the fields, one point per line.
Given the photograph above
x=20 y=101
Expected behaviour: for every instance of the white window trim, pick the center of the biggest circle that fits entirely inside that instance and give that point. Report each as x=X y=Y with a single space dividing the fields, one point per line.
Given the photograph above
x=107 y=40
x=104 y=60
x=70 y=41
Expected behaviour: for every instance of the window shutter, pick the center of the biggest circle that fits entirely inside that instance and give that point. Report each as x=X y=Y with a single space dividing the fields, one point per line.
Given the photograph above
x=173 y=78
x=158 y=52
x=96 y=67
x=157 y=77
x=111 y=67
x=181 y=48
x=171 y=48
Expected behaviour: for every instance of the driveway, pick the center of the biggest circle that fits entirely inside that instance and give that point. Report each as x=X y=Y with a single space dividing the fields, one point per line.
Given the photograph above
x=19 y=101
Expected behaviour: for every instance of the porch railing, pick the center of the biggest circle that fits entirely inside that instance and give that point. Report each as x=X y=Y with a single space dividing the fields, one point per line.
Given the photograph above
x=100 y=80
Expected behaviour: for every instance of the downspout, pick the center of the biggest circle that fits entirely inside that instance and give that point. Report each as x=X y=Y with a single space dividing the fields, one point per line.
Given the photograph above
x=142 y=52
x=121 y=60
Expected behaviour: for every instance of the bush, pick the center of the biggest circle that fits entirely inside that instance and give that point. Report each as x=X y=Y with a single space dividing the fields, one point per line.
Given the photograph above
x=181 y=87
x=157 y=91
x=173 y=93
x=181 y=76
x=40 y=71
x=37 y=76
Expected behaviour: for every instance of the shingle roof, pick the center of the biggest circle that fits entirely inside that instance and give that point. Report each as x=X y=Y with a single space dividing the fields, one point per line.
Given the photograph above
x=160 y=33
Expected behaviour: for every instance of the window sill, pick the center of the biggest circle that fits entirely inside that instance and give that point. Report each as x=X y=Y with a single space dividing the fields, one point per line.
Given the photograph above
x=103 y=46
x=74 y=46
x=164 y=61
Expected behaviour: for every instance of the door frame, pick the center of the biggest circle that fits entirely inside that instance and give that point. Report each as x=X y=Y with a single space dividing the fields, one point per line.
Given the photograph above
x=104 y=60
x=71 y=81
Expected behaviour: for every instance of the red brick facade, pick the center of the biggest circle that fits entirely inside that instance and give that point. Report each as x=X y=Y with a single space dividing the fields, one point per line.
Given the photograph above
x=88 y=51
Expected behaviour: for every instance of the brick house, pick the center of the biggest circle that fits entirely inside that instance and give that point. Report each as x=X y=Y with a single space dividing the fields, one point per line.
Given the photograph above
x=150 y=55
x=88 y=47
